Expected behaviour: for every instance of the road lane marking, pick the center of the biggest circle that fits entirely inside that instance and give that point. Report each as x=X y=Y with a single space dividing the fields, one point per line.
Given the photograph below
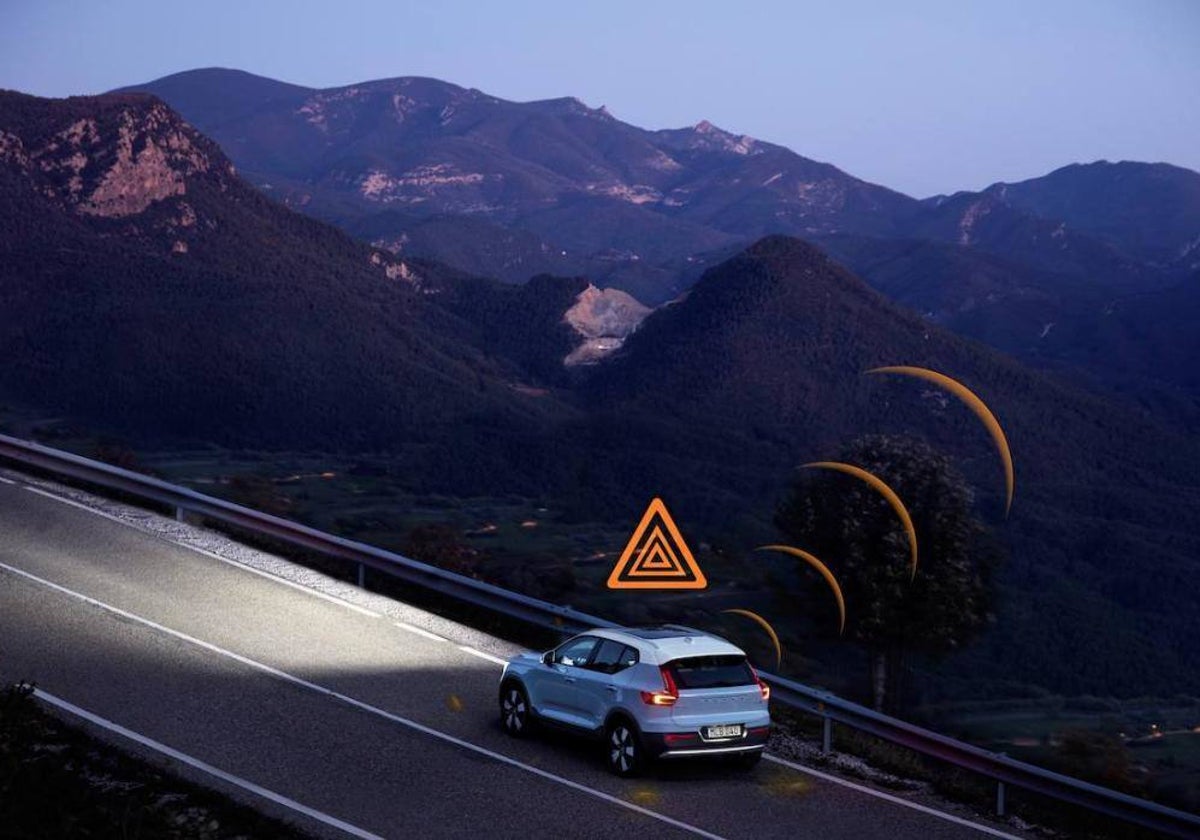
x=7 y=480
x=887 y=797
x=482 y=655
x=81 y=506
x=364 y=706
x=412 y=628
x=333 y=599
x=204 y=767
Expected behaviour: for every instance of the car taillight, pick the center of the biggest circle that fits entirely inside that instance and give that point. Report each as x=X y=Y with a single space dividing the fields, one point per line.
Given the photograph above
x=763 y=688
x=662 y=698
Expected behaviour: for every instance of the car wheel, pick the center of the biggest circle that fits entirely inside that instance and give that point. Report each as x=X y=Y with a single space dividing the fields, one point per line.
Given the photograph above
x=623 y=749
x=514 y=710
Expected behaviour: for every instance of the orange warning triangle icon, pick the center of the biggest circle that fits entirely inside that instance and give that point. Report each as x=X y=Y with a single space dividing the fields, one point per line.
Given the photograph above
x=656 y=556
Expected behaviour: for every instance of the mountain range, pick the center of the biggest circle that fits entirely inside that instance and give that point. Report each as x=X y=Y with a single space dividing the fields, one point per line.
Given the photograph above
x=629 y=205
x=1067 y=271
x=154 y=293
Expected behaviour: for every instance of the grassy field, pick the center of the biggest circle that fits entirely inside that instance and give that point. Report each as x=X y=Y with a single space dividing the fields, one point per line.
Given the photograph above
x=1160 y=739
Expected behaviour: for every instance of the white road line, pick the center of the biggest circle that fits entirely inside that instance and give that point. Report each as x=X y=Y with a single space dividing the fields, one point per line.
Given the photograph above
x=412 y=628
x=482 y=655
x=367 y=707
x=80 y=505
x=333 y=599
x=7 y=480
x=887 y=797
x=277 y=798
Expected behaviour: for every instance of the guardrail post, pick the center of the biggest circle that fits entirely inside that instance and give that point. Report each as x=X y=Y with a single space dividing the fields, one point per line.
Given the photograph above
x=826 y=735
x=999 y=799
x=362 y=576
x=180 y=515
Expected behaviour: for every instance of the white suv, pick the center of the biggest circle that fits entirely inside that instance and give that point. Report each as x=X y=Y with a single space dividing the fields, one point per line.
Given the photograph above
x=649 y=692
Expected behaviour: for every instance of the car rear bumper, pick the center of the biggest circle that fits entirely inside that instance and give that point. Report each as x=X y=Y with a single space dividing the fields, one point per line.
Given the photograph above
x=692 y=745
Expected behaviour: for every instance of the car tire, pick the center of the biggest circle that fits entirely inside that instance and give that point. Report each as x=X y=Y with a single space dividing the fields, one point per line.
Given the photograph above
x=515 y=716
x=623 y=752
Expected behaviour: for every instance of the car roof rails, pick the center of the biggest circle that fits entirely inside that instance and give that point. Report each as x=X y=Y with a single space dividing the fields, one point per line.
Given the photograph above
x=685 y=629
x=667 y=629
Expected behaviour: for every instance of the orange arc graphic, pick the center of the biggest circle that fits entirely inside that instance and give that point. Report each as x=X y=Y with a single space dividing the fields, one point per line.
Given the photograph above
x=825 y=573
x=887 y=492
x=765 y=625
x=977 y=406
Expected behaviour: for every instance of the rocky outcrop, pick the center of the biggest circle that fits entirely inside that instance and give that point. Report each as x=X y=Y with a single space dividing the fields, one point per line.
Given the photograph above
x=604 y=318
x=116 y=162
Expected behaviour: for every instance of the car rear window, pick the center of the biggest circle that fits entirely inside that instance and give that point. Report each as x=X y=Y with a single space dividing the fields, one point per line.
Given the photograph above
x=711 y=671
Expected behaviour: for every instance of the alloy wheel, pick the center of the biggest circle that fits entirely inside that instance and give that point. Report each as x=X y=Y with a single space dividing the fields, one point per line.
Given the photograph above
x=623 y=756
x=514 y=711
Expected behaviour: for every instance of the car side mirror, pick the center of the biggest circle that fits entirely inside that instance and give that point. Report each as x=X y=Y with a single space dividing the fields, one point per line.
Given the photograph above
x=548 y=658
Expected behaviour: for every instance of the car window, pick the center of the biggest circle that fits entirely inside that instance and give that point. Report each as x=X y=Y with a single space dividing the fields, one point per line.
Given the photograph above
x=711 y=671
x=612 y=657
x=575 y=652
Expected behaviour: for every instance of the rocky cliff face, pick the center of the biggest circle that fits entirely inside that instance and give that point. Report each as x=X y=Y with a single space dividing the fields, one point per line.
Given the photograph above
x=603 y=318
x=128 y=163
x=115 y=163
x=128 y=166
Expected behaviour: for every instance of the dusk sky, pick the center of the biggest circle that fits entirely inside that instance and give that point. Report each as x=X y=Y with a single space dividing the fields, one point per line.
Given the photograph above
x=923 y=97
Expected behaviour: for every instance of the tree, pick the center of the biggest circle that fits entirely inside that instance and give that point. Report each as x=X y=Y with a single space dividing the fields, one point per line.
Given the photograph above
x=854 y=530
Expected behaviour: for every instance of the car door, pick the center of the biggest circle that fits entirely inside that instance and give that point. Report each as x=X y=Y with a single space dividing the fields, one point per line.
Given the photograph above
x=598 y=688
x=559 y=687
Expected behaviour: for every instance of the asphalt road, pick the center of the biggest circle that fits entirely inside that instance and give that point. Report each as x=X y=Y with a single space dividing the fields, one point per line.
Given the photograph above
x=375 y=728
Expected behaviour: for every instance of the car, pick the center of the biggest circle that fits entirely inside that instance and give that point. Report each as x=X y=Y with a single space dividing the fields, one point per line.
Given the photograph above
x=662 y=692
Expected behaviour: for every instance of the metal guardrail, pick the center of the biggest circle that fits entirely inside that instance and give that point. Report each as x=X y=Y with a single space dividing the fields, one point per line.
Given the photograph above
x=1004 y=770
x=832 y=709
x=187 y=502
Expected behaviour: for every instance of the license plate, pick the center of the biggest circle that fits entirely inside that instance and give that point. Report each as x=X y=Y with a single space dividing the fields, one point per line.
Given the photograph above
x=732 y=730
